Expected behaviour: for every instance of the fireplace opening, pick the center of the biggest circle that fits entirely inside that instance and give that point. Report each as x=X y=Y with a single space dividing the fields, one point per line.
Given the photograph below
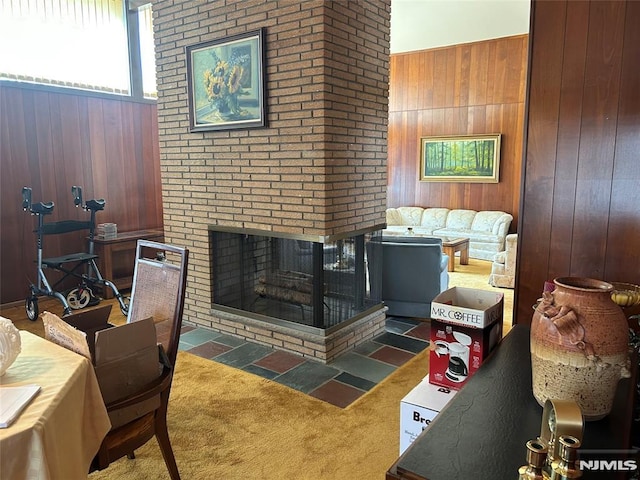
x=319 y=284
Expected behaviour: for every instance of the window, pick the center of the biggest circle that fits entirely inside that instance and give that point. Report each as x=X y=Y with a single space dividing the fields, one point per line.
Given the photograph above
x=75 y=43
x=147 y=51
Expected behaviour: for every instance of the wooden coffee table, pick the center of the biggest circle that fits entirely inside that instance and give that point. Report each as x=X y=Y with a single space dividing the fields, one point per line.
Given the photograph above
x=452 y=245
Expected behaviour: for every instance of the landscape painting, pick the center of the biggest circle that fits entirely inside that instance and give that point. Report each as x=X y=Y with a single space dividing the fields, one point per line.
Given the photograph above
x=467 y=158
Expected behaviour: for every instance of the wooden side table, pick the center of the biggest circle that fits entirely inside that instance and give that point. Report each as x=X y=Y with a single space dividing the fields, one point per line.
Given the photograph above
x=116 y=257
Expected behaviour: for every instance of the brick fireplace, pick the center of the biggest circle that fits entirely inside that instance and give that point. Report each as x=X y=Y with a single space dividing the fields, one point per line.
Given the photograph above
x=316 y=173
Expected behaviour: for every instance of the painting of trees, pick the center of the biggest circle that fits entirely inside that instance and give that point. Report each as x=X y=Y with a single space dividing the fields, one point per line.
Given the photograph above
x=460 y=158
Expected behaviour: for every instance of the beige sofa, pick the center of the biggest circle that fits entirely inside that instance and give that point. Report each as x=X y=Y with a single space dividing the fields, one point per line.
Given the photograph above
x=486 y=230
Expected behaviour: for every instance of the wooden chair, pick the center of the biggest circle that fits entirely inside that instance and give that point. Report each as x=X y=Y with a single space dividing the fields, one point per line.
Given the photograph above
x=158 y=291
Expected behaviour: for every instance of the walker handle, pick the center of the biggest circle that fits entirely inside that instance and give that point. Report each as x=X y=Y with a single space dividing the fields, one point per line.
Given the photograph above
x=77 y=195
x=39 y=208
x=95 y=205
x=26 y=198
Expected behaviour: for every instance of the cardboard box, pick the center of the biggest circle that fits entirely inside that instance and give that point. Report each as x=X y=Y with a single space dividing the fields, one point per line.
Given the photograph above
x=418 y=408
x=468 y=306
x=125 y=357
x=458 y=351
x=466 y=325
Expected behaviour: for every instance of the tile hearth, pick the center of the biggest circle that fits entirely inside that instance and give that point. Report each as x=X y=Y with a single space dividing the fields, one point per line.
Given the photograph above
x=340 y=382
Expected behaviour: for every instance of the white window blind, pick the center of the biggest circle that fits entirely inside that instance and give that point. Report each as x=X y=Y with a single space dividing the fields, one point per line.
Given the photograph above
x=76 y=43
x=147 y=51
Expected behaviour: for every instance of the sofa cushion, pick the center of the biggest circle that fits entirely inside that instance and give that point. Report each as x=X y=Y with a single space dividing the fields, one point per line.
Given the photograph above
x=434 y=218
x=399 y=230
x=460 y=219
x=411 y=215
x=471 y=234
x=393 y=217
x=490 y=222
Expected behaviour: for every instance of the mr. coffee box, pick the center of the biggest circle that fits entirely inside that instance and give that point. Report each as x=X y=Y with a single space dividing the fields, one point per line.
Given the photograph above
x=418 y=408
x=466 y=325
x=468 y=306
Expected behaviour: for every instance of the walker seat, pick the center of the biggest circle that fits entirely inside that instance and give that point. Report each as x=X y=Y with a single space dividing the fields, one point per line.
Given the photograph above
x=56 y=262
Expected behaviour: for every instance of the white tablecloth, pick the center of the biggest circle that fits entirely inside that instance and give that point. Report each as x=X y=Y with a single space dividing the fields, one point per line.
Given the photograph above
x=60 y=431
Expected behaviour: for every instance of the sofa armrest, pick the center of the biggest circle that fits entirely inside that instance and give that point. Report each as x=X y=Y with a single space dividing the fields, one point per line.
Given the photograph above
x=501 y=227
x=511 y=241
x=500 y=257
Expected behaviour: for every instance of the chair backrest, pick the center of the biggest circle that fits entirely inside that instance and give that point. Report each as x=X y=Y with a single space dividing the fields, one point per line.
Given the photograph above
x=410 y=273
x=158 y=291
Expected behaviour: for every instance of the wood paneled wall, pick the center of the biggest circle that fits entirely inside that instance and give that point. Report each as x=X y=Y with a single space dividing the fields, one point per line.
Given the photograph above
x=580 y=212
x=472 y=88
x=51 y=140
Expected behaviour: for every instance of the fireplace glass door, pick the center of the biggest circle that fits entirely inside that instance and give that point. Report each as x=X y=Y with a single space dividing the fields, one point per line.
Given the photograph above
x=310 y=283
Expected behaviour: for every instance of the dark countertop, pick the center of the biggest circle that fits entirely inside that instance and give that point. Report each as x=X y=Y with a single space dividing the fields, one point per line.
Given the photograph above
x=482 y=433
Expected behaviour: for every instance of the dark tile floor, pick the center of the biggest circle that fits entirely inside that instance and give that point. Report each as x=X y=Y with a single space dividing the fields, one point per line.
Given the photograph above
x=339 y=382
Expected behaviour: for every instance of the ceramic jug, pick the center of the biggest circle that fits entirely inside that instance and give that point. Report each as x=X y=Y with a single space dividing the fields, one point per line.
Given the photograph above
x=579 y=345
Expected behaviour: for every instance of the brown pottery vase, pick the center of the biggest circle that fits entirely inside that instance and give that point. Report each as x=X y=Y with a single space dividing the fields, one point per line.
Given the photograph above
x=579 y=345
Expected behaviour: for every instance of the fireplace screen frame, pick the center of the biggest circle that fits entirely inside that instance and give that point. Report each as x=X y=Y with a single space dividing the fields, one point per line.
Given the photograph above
x=307 y=282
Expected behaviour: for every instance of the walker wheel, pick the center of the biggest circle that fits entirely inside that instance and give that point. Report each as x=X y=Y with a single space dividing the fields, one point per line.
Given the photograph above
x=31 y=307
x=78 y=298
x=124 y=306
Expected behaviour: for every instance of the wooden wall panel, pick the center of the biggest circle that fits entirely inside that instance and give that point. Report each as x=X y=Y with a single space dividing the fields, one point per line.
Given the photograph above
x=51 y=141
x=465 y=89
x=624 y=224
x=537 y=205
x=579 y=211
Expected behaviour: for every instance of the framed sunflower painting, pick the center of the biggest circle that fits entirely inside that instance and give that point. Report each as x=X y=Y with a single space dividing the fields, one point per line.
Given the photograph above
x=226 y=80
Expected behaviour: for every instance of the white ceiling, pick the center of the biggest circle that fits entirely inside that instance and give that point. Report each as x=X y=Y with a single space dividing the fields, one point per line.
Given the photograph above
x=423 y=24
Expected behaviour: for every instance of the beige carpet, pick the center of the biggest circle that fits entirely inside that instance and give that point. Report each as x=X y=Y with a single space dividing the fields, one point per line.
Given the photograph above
x=225 y=423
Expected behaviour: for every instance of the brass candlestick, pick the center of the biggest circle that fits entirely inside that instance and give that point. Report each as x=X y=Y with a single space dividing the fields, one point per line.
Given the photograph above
x=566 y=467
x=536 y=460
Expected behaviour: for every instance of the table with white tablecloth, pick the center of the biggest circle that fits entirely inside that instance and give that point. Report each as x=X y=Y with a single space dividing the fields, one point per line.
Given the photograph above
x=59 y=432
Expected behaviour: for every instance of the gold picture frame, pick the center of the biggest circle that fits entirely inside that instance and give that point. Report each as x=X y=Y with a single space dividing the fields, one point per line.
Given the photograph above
x=462 y=158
